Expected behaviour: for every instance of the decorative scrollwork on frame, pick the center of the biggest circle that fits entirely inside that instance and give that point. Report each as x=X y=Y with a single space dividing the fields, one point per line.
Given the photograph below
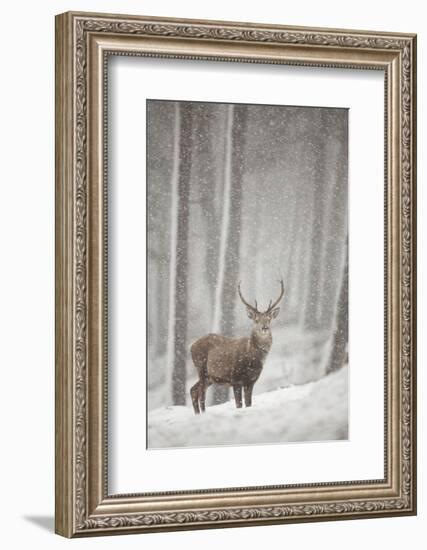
x=243 y=514
x=80 y=276
x=84 y=26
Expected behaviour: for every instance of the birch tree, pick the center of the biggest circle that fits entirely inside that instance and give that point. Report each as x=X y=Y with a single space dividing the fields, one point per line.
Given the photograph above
x=207 y=180
x=225 y=220
x=232 y=257
x=317 y=218
x=229 y=256
x=178 y=299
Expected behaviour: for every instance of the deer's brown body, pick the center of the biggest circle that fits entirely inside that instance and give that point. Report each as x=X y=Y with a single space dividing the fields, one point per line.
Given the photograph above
x=235 y=362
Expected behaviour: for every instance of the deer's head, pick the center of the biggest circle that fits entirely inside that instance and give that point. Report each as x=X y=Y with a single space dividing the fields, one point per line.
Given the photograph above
x=262 y=319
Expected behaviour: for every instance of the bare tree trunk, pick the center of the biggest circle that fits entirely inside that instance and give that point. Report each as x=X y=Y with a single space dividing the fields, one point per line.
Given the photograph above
x=163 y=313
x=259 y=241
x=294 y=264
x=224 y=318
x=249 y=257
x=317 y=233
x=177 y=352
x=336 y=231
x=232 y=260
x=306 y=258
x=206 y=176
x=289 y=255
x=225 y=221
x=338 y=353
x=152 y=305
x=220 y=393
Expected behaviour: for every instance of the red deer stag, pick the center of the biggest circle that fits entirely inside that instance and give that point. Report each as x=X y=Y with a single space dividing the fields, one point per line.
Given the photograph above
x=235 y=362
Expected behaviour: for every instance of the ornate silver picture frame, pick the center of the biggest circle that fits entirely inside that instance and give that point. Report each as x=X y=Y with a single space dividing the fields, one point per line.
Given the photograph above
x=84 y=504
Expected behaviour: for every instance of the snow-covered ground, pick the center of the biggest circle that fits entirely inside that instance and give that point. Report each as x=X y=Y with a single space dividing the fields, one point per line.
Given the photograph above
x=316 y=411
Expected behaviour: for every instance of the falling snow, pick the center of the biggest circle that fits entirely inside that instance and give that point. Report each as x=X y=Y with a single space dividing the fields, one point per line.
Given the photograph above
x=249 y=193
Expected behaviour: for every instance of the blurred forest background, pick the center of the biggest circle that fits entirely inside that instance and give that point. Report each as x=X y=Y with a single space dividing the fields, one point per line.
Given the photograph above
x=248 y=193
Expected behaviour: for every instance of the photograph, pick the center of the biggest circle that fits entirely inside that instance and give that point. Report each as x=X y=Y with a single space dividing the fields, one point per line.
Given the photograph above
x=247 y=274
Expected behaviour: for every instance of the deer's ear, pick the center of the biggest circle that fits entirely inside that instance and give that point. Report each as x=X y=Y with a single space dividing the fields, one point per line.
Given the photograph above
x=275 y=313
x=251 y=314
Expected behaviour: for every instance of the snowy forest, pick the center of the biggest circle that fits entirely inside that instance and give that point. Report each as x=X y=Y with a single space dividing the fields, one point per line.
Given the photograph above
x=250 y=194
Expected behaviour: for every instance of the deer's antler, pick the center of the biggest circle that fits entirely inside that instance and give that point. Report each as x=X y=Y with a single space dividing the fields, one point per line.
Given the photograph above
x=247 y=304
x=282 y=292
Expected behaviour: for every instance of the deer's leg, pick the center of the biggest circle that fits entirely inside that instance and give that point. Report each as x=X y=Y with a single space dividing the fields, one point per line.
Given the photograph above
x=238 y=396
x=248 y=395
x=202 y=394
x=194 y=392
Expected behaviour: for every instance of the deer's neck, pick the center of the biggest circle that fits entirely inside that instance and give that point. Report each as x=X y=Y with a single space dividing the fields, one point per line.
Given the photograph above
x=261 y=343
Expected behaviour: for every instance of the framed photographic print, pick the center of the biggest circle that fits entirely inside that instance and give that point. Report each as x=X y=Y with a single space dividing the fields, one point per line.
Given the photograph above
x=235 y=274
